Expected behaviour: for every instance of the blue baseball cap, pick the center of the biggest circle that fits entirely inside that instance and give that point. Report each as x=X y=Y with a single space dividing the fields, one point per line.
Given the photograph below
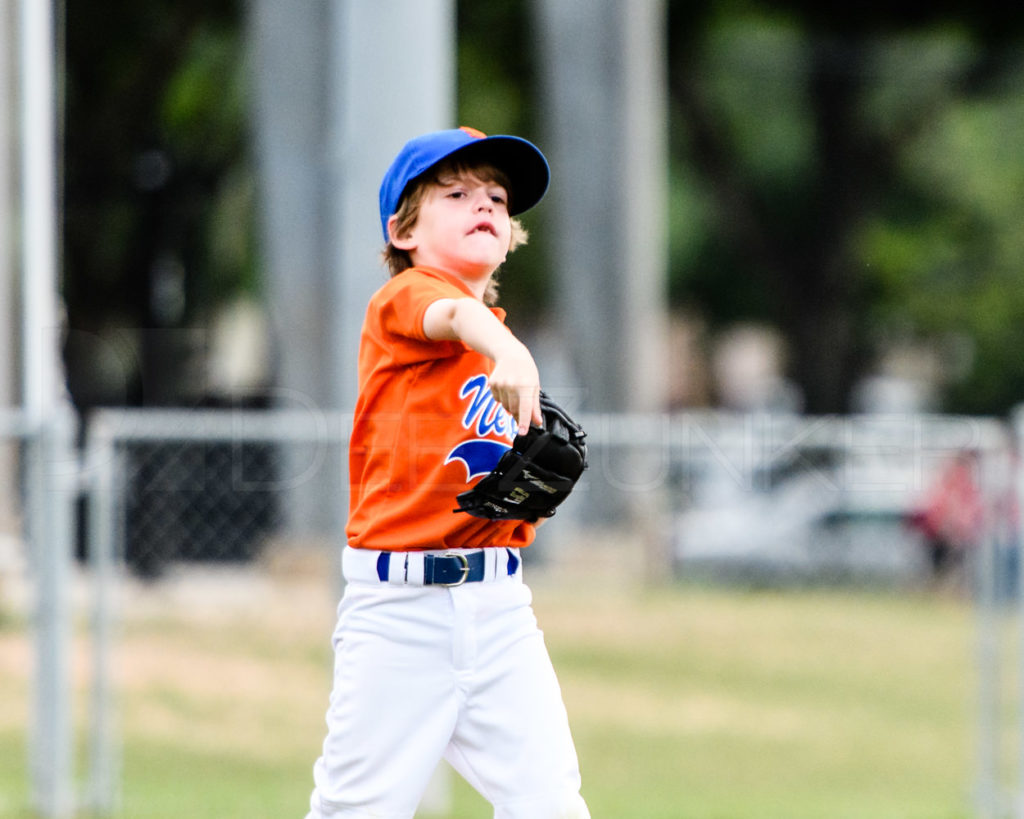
x=520 y=160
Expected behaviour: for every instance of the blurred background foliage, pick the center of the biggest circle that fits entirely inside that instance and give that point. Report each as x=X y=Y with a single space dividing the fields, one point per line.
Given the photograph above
x=853 y=180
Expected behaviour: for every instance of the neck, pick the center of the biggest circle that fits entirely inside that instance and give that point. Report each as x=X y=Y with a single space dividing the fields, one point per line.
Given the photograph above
x=477 y=284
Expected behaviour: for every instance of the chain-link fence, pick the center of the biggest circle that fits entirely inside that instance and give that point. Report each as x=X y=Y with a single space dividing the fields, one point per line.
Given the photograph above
x=199 y=500
x=213 y=486
x=170 y=487
x=769 y=498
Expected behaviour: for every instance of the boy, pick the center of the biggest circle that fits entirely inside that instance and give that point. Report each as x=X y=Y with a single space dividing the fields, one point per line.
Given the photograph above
x=437 y=651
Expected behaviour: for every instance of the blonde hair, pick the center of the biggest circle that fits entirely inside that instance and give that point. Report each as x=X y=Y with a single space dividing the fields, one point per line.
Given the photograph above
x=408 y=212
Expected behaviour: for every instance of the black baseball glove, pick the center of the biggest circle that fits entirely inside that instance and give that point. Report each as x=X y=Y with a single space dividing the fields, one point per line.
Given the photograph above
x=535 y=475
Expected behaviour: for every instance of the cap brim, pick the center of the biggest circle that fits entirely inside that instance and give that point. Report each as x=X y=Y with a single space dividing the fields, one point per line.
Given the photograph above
x=523 y=164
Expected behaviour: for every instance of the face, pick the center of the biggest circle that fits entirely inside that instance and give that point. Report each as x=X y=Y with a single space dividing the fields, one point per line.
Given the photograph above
x=463 y=227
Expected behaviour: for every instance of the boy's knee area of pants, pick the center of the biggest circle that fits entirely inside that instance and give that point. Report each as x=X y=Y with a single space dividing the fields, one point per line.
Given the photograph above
x=355 y=813
x=567 y=806
x=572 y=807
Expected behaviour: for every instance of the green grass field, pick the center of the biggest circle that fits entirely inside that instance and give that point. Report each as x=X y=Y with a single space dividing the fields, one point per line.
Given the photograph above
x=686 y=702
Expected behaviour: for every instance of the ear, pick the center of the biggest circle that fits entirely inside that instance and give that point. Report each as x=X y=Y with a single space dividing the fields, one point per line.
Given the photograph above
x=406 y=243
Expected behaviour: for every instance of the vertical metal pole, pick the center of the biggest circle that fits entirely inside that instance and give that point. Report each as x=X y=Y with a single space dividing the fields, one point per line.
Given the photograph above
x=604 y=101
x=644 y=242
x=993 y=480
x=104 y=750
x=289 y=53
x=8 y=49
x=603 y=96
x=1016 y=545
x=401 y=49
x=49 y=502
x=51 y=493
x=643 y=119
x=39 y=210
x=9 y=547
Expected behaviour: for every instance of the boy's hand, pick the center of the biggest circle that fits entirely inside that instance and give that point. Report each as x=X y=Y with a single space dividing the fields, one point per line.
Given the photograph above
x=515 y=384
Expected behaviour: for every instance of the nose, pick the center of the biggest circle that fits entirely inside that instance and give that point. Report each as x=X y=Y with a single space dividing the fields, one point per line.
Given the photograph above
x=483 y=201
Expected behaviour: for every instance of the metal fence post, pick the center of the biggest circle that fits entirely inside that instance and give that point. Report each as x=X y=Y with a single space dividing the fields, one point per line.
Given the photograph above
x=50 y=495
x=993 y=480
x=104 y=749
x=50 y=468
x=1016 y=530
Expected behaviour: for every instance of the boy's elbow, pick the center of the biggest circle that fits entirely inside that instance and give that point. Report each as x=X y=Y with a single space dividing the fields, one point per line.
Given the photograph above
x=460 y=318
x=440 y=320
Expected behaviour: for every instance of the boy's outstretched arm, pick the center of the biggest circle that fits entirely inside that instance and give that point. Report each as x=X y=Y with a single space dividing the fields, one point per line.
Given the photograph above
x=515 y=381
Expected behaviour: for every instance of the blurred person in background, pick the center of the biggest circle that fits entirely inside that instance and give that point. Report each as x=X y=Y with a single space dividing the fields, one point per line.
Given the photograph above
x=950 y=517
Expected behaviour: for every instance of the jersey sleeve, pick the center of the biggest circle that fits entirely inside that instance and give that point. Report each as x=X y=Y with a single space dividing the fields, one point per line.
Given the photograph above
x=411 y=293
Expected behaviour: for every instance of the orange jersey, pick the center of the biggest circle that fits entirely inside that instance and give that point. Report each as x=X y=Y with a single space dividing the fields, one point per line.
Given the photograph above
x=426 y=427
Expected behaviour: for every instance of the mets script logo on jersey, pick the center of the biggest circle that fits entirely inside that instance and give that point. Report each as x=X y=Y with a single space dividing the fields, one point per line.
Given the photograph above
x=483 y=417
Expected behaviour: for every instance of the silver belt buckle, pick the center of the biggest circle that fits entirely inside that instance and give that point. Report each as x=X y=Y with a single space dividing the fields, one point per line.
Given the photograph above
x=464 y=567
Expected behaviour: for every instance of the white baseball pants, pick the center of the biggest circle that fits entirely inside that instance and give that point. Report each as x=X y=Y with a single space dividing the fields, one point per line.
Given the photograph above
x=461 y=672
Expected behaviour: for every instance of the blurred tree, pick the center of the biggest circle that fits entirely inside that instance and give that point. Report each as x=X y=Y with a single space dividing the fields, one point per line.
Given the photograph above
x=157 y=209
x=497 y=63
x=823 y=183
x=847 y=174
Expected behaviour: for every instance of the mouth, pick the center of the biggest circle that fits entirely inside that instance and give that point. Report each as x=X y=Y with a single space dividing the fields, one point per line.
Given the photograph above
x=484 y=227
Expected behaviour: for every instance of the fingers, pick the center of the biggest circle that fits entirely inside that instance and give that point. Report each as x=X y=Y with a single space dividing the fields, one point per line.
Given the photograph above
x=515 y=384
x=528 y=410
x=523 y=404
